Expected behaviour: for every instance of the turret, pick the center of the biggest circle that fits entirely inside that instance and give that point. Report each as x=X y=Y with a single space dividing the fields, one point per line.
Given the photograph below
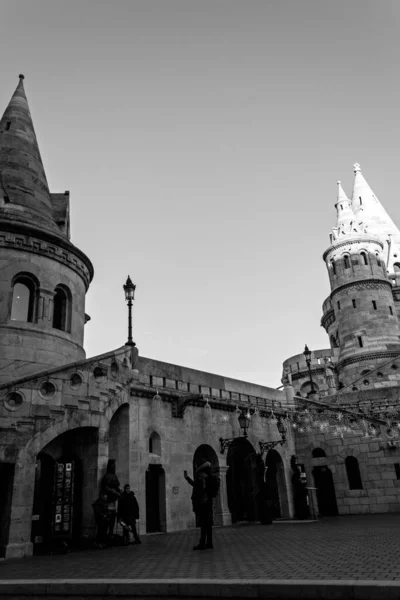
x=43 y=276
x=359 y=315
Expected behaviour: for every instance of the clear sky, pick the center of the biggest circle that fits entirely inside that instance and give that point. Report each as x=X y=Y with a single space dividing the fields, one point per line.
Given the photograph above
x=201 y=142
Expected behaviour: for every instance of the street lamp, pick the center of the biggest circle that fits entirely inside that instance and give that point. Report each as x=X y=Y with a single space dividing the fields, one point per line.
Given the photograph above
x=266 y=446
x=244 y=422
x=307 y=355
x=129 y=289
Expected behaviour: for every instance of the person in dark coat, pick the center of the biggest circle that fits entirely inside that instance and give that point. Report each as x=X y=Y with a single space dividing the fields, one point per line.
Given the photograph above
x=110 y=487
x=202 y=502
x=128 y=513
x=102 y=517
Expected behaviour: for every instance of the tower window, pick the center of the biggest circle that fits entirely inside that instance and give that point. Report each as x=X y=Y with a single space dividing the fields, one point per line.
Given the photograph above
x=378 y=260
x=360 y=342
x=390 y=310
x=8 y=125
x=346 y=262
x=23 y=299
x=341 y=207
x=62 y=308
x=338 y=305
x=397 y=469
x=374 y=304
x=360 y=199
x=333 y=267
x=354 y=303
x=365 y=258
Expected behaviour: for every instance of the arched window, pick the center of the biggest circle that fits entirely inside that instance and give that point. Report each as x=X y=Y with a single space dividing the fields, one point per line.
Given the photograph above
x=396 y=267
x=62 y=308
x=318 y=453
x=353 y=473
x=364 y=257
x=334 y=343
x=378 y=259
x=24 y=299
x=155 y=444
x=333 y=267
x=346 y=262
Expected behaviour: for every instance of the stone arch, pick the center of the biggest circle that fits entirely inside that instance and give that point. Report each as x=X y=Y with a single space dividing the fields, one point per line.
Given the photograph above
x=242 y=480
x=205 y=453
x=155 y=443
x=318 y=452
x=275 y=480
x=115 y=404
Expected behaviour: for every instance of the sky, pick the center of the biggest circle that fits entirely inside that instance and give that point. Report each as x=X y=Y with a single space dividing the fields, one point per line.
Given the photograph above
x=201 y=142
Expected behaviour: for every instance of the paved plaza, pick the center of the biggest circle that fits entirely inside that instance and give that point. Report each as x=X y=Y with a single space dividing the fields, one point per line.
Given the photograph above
x=341 y=548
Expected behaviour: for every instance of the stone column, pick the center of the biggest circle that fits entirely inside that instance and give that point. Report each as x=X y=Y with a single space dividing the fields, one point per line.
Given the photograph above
x=222 y=516
x=19 y=538
x=45 y=306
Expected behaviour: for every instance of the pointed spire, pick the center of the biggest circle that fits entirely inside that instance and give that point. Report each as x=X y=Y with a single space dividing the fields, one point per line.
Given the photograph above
x=368 y=209
x=21 y=169
x=345 y=215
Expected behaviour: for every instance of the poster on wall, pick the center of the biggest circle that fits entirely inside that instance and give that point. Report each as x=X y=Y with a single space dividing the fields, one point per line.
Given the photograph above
x=63 y=498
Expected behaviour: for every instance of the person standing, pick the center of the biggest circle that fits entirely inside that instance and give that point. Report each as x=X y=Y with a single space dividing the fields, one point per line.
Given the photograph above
x=110 y=487
x=128 y=513
x=102 y=517
x=205 y=488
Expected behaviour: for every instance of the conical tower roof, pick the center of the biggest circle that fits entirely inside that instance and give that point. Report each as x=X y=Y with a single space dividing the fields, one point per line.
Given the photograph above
x=22 y=175
x=345 y=214
x=368 y=209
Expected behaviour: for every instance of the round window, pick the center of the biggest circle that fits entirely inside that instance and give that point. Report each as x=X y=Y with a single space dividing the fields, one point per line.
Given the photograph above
x=99 y=374
x=75 y=381
x=366 y=382
x=395 y=367
x=13 y=401
x=379 y=374
x=47 y=389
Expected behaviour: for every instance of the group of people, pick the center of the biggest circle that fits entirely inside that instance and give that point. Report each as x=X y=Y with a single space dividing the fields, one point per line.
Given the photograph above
x=112 y=505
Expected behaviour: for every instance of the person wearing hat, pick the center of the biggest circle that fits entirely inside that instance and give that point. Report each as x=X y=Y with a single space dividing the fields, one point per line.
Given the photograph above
x=202 y=502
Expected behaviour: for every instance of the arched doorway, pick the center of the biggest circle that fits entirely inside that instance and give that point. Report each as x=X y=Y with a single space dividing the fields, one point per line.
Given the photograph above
x=6 y=491
x=276 y=492
x=326 y=496
x=156 y=516
x=65 y=483
x=243 y=481
x=205 y=453
x=118 y=445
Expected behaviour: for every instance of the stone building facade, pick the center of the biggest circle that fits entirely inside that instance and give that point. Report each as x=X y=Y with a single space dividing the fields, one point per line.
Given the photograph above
x=62 y=415
x=348 y=395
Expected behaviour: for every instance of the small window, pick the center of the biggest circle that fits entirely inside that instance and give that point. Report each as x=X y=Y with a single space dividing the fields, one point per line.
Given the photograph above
x=365 y=258
x=353 y=473
x=346 y=262
x=341 y=207
x=333 y=267
x=155 y=444
x=360 y=342
x=378 y=260
x=8 y=125
x=318 y=453
x=62 y=308
x=354 y=303
x=394 y=367
x=390 y=310
x=397 y=469
x=396 y=267
x=360 y=199
x=23 y=299
x=374 y=304
x=338 y=305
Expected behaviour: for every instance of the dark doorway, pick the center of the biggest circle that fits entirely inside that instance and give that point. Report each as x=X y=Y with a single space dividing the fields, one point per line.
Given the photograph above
x=243 y=481
x=155 y=499
x=57 y=503
x=326 y=496
x=6 y=490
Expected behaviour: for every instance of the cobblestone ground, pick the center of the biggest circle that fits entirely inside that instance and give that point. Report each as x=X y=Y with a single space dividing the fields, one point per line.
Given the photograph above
x=355 y=547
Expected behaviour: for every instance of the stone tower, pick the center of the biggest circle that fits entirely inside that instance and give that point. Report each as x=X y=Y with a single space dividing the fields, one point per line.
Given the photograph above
x=43 y=276
x=361 y=314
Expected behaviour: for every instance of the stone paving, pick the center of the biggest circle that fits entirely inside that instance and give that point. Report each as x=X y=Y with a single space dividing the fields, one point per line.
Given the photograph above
x=342 y=548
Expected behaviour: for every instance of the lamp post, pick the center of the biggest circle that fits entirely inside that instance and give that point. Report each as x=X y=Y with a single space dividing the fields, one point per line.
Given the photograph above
x=129 y=289
x=244 y=422
x=266 y=446
x=307 y=355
